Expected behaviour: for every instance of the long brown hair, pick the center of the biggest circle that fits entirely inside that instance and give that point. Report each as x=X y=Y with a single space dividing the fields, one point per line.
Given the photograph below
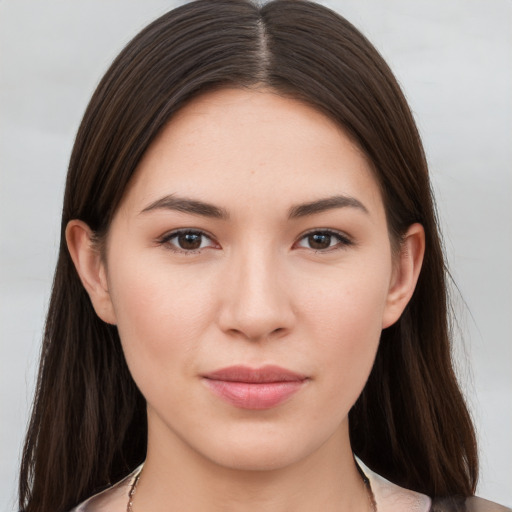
x=88 y=425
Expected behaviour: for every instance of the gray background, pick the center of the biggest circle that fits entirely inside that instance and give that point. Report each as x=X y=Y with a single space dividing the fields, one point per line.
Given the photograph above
x=454 y=60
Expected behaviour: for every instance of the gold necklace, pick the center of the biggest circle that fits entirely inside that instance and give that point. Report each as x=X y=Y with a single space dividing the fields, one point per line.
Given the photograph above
x=366 y=480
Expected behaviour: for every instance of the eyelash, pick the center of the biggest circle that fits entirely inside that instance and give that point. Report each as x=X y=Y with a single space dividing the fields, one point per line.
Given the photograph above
x=166 y=240
x=343 y=240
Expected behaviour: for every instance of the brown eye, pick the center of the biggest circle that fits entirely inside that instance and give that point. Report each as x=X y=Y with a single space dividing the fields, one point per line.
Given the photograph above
x=189 y=241
x=319 y=240
x=324 y=240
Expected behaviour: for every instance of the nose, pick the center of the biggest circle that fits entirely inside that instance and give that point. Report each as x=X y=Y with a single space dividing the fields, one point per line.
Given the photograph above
x=256 y=301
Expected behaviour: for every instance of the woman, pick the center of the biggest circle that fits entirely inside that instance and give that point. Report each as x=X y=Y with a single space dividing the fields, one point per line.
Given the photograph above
x=250 y=287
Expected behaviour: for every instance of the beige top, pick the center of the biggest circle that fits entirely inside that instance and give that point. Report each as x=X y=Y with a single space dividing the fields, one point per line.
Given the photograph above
x=388 y=497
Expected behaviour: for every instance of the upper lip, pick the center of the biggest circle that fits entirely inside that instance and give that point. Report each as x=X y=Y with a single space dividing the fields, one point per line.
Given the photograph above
x=268 y=373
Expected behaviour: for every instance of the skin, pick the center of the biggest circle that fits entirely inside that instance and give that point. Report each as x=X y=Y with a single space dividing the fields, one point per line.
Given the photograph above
x=258 y=291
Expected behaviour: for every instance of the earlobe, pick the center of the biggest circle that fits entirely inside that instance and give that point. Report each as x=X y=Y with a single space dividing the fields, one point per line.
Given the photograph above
x=90 y=267
x=406 y=273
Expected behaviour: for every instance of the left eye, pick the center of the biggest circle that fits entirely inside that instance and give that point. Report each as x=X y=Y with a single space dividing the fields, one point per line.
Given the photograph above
x=322 y=240
x=187 y=241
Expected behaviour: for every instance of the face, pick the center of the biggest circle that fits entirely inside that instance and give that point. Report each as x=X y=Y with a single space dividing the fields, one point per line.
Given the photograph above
x=249 y=271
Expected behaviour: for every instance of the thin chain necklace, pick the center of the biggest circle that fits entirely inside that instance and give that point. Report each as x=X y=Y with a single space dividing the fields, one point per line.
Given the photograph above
x=133 y=488
x=369 y=492
x=368 y=487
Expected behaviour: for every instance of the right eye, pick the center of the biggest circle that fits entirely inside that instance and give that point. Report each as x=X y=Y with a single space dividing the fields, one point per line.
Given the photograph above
x=324 y=240
x=186 y=241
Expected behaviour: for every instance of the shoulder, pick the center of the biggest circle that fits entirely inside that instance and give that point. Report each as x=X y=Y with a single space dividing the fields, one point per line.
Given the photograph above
x=475 y=504
x=389 y=497
x=113 y=499
x=471 y=504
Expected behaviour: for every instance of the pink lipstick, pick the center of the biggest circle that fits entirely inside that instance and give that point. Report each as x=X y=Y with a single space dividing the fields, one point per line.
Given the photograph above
x=256 y=389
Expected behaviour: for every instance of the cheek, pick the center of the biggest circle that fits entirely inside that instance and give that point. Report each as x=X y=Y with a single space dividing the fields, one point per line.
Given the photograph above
x=347 y=302
x=160 y=317
x=345 y=321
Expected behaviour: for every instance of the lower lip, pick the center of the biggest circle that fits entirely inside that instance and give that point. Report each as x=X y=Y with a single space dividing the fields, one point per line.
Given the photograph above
x=256 y=396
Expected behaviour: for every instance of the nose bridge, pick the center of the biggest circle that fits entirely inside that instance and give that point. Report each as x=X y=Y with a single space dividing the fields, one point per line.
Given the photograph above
x=257 y=303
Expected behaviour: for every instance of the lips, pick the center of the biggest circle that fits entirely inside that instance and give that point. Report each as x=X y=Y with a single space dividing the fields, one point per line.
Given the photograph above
x=257 y=389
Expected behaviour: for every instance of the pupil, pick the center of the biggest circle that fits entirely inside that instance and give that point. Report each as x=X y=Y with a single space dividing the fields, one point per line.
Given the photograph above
x=319 y=241
x=189 y=241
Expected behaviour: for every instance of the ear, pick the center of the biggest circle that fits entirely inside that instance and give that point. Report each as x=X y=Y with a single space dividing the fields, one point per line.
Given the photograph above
x=90 y=267
x=405 y=274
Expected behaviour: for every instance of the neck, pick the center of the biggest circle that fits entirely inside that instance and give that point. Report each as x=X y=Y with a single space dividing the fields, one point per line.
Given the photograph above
x=176 y=477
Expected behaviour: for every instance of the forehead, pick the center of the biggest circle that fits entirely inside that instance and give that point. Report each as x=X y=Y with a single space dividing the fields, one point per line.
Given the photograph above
x=252 y=148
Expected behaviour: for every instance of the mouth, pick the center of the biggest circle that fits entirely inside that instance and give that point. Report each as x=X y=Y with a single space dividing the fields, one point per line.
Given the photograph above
x=256 y=389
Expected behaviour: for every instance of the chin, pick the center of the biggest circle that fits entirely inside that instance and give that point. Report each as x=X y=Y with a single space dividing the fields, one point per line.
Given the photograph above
x=261 y=450
x=260 y=458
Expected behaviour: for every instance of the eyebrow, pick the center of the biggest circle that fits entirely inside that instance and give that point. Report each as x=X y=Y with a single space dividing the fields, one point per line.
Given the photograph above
x=196 y=207
x=183 y=204
x=322 y=205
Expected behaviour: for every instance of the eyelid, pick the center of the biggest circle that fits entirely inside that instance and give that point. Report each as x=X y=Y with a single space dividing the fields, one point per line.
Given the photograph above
x=165 y=239
x=344 y=239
